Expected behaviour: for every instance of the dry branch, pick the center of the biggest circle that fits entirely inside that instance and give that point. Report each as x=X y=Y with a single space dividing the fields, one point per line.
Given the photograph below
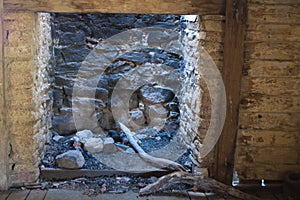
x=157 y=162
x=202 y=182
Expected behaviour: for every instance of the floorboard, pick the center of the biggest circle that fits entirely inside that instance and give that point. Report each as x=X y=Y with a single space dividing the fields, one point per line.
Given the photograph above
x=4 y=195
x=37 y=195
x=197 y=195
x=56 y=194
x=18 y=195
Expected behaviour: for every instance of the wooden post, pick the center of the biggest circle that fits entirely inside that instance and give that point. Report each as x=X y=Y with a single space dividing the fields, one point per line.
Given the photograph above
x=3 y=131
x=232 y=71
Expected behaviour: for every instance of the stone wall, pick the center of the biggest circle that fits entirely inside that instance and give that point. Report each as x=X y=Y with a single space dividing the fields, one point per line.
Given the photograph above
x=26 y=63
x=75 y=36
x=189 y=99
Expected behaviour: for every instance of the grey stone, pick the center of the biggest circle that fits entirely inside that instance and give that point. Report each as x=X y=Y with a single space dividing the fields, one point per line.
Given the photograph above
x=57 y=138
x=137 y=117
x=130 y=150
x=64 y=124
x=174 y=114
x=157 y=111
x=102 y=94
x=105 y=119
x=109 y=146
x=93 y=145
x=84 y=135
x=71 y=159
x=156 y=95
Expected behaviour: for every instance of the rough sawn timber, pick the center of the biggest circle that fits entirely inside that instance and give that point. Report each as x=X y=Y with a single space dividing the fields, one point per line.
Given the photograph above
x=118 y=6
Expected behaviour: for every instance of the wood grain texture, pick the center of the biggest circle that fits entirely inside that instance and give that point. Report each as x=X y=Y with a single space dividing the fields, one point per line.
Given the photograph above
x=265 y=103
x=281 y=14
x=271 y=68
x=266 y=155
x=272 y=51
x=271 y=86
x=267 y=138
x=3 y=131
x=232 y=71
x=119 y=6
x=256 y=171
x=288 y=122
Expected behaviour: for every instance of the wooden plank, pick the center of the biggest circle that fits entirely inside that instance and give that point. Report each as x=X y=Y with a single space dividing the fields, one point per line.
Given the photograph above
x=265 y=138
x=280 y=2
x=55 y=194
x=274 y=36
x=231 y=73
x=286 y=122
x=37 y=195
x=272 y=51
x=257 y=155
x=279 y=14
x=271 y=86
x=3 y=131
x=62 y=174
x=119 y=6
x=18 y=195
x=255 y=171
x=271 y=68
x=265 y=103
x=4 y=195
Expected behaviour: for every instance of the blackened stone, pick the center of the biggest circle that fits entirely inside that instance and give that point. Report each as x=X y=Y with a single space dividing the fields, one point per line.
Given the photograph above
x=156 y=95
x=172 y=106
x=64 y=124
x=72 y=38
x=63 y=81
x=102 y=94
x=57 y=98
x=136 y=57
x=105 y=119
x=74 y=54
x=114 y=134
x=134 y=101
x=175 y=64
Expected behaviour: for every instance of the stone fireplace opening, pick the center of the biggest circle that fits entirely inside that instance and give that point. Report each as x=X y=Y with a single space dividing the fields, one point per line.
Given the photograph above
x=152 y=88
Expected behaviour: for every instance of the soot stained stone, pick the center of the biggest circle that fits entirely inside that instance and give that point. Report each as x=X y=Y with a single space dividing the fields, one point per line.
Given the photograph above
x=71 y=159
x=156 y=94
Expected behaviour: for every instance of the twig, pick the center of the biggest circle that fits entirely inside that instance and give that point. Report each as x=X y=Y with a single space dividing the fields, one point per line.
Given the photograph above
x=158 y=162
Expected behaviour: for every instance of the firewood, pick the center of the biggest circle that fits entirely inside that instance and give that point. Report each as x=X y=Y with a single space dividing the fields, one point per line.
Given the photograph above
x=154 y=161
x=199 y=181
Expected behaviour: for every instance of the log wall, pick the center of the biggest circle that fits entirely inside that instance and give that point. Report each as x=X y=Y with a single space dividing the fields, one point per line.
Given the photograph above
x=269 y=117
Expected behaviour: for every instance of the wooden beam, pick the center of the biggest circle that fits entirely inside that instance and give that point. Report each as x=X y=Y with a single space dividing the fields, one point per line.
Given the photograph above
x=231 y=73
x=3 y=131
x=120 y=6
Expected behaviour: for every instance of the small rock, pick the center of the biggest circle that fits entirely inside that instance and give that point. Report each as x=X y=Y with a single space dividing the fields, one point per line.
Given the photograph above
x=137 y=116
x=71 y=159
x=114 y=134
x=94 y=145
x=84 y=135
x=108 y=145
x=141 y=136
x=105 y=119
x=157 y=138
x=130 y=150
x=64 y=124
x=57 y=138
x=174 y=114
x=164 y=135
x=157 y=111
x=156 y=95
